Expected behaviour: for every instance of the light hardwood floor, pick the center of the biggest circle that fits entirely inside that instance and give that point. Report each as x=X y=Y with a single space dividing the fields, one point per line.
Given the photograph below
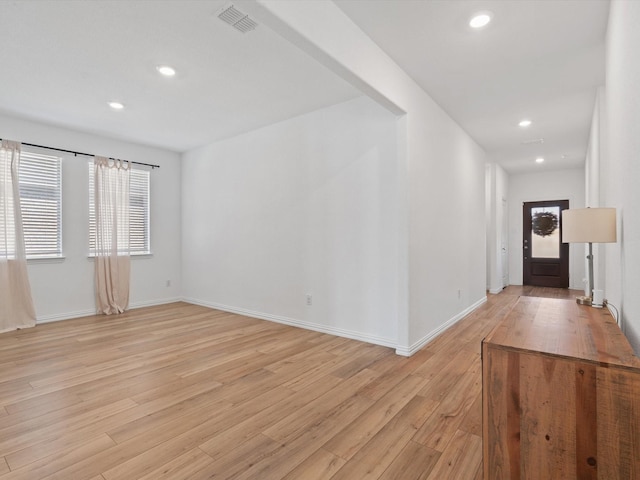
x=185 y=392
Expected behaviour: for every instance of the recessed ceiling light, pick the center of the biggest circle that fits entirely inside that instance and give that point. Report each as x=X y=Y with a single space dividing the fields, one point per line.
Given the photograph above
x=166 y=70
x=480 y=19
x=524 y=123
x=539 y=160
x=116 y=105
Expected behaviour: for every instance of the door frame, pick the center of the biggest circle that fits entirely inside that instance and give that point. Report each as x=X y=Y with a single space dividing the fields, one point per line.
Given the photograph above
x=563 y=279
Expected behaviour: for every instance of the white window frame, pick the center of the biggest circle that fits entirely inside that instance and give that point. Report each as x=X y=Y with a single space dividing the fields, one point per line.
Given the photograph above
x=139 y=212
x=40 y=186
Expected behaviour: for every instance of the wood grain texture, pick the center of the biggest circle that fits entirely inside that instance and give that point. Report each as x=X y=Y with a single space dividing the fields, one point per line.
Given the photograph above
x=557 y=404
x=320 y=465
x=586 y=430
x=501 y=454
x=564 y=328
x=415 y=462
x=463 y=458
x=185 y=392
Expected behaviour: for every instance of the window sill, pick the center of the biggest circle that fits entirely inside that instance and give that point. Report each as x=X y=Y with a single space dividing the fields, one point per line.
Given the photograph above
x=37 y=260
x=91 y=256
x=142 y=255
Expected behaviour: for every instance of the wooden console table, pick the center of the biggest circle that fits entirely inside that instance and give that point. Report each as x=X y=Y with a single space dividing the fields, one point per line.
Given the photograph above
x=561 y=395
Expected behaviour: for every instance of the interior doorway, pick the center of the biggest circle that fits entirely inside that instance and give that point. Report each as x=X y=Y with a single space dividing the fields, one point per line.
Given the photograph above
x=545 y=259
x=504 y=242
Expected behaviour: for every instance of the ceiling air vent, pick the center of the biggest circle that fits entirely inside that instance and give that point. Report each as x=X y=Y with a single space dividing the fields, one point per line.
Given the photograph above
x=533 y=142
x=237 y=19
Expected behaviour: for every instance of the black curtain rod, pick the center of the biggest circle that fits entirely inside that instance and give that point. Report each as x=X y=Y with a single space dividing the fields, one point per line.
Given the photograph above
x=85 y=154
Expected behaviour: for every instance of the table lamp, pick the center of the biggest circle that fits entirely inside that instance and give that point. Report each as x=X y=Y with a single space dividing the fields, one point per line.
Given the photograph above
x=589 y=225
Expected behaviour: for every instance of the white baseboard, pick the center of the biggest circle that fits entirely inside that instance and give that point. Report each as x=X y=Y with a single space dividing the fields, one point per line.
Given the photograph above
x=339 y=332
x=331 y=330
x=88 y=312
x=407 y=352
x=495 y=291
x=153 y=303
x=64 y=316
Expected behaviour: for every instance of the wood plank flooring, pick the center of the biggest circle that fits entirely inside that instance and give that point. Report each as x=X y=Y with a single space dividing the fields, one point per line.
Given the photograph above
x=184 y=392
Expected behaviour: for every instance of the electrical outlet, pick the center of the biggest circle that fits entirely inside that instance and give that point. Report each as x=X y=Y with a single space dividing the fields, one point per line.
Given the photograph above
x=309 y=299
x=168 y=284
x=459 y=294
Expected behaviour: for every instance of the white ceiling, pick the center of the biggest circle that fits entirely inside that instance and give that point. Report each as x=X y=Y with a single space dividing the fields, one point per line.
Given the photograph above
x=65 y=60
x=537 y=59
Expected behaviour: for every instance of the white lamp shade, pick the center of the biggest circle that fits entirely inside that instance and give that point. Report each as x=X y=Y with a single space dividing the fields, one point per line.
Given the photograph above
x=589 y=225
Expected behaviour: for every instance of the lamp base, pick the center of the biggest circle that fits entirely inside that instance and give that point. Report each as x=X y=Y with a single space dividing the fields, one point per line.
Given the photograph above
x=583 y=300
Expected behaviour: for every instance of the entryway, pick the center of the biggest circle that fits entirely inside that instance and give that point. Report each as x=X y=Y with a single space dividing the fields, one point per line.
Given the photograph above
x=545 y=259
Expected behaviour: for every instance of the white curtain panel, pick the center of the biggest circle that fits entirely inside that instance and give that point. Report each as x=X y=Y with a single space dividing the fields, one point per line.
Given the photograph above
x=16 y=304
x=112 y=260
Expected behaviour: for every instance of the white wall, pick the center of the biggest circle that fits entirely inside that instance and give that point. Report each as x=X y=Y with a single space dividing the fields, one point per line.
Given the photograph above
x=437 y=219
x=497 y=226
x=532 y=187
x=442 y=225
x=593 y=174
x=620 y=166
x=490 y=220
x=64 y=288
x=446 y=223
x=305 y=206
x=502 y=225
x=595 y=152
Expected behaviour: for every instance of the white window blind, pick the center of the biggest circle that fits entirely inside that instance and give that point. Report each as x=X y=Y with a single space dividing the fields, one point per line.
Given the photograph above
x=41 y=202
x=139 y=241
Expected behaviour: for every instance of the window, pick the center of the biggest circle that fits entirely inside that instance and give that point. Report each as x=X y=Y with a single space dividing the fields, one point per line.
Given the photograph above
x=41 y=202
x=139 y=242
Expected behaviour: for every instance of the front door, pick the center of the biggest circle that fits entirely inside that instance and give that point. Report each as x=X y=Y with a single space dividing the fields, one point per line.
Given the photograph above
x=545 y=259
